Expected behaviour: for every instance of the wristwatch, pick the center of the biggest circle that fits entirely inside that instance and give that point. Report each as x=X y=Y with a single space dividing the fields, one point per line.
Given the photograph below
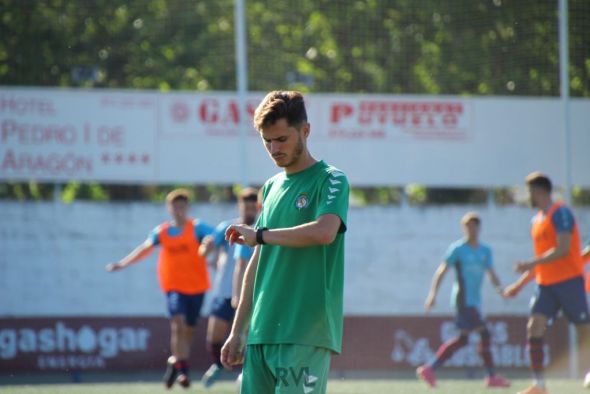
x=259 y=239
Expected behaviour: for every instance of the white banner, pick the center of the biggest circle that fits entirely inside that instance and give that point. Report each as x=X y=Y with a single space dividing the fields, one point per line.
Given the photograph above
x=152 y=137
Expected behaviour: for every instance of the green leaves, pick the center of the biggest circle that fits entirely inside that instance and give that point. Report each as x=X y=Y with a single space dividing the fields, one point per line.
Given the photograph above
x=374 y=46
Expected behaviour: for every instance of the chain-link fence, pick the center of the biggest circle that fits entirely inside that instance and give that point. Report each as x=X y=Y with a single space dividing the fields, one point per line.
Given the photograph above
x=491 y=47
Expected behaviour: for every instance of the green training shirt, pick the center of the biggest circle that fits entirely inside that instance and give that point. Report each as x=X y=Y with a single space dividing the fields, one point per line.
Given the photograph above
x=298 y=292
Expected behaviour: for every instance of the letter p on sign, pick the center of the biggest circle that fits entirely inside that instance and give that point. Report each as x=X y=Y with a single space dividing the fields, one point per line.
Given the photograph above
x=340 y=111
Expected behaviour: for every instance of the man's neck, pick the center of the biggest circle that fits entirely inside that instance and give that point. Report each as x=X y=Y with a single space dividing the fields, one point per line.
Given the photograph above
x=473 y=242
x=546 y=205
x=179 y=223
x=304 y=162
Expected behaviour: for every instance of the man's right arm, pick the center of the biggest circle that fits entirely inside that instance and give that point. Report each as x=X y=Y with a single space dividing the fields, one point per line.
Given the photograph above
x=207 y=246
x=238 y=278
x=232 y=351
x=436 y=281
x=139 y=253
x=245 y=305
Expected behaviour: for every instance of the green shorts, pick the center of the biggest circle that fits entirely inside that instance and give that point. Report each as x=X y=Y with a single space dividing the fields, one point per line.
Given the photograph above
x=285 y=369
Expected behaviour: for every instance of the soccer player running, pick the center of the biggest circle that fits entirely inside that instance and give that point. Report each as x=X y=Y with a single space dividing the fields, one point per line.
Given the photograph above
x=222 y=311
x=292 y=294
x=183 y=278
x=558 y=270
x=471 y=260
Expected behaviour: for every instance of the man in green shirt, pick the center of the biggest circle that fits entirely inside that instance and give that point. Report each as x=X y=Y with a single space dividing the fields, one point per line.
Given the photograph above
x=291 y=303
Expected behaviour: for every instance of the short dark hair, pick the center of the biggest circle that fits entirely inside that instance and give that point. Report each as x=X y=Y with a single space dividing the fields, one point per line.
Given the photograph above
x=248 y=194
x=178 y=195
x=540 y=180
x=278 y=105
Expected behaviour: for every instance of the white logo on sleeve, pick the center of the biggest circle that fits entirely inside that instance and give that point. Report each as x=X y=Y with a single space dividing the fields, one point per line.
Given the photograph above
x=333 y=190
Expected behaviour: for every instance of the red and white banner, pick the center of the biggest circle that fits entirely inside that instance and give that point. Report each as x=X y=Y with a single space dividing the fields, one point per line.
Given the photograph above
x=370 y=343
x=60 y=135
x=150 y=137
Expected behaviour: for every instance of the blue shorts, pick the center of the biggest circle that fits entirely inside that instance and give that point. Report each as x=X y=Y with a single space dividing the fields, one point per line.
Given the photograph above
x=184 y=304
x=222 y=309
x=568 y=296
x=468 y=318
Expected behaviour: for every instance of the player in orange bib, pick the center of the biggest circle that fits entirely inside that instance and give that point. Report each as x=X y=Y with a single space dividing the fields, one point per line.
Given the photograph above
x=183 y=278
x=558 y=270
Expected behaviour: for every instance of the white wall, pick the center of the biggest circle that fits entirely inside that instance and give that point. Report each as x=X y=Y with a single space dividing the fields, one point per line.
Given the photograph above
x=393 y=252
x=52 y=257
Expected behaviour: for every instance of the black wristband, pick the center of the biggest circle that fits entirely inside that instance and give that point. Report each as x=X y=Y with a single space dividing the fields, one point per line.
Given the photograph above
x=259 y=239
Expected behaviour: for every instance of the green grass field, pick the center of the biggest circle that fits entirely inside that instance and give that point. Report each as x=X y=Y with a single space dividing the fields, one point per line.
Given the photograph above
x=357 y=386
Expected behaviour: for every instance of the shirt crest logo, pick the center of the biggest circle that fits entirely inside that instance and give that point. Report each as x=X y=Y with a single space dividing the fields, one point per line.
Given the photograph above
x=302 y=201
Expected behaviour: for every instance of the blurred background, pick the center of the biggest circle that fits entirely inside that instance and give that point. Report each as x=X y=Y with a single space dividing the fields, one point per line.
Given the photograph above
x=431 y=108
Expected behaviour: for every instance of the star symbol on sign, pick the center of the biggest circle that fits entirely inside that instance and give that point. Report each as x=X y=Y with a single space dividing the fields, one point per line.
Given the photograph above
x=145 y=158
x=119 y=158
x=105 y=158
x=132 y=158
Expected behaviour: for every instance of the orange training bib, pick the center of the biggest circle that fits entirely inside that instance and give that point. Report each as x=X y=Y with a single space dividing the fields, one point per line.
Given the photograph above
x=545 y=238
x=180 y=267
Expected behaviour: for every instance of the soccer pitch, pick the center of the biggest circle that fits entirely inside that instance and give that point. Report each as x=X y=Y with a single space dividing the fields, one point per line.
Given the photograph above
x=358 y=386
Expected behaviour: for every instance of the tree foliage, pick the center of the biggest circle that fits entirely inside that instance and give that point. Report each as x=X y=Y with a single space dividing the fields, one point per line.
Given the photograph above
x=488 y=47
x=466 y=47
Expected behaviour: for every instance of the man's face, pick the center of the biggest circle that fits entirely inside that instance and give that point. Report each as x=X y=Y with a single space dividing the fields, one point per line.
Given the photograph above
x=534 y=195
x=284 y=144
x=472 y=229
x=178 y=209
x=248 y=211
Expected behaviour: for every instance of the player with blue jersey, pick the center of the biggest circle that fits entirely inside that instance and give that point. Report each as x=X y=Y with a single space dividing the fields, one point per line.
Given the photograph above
x=223 y=310
x=471 y=260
